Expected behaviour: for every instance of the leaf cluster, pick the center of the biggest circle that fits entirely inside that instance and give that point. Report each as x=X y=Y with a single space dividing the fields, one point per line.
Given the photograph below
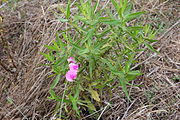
x=104 y=42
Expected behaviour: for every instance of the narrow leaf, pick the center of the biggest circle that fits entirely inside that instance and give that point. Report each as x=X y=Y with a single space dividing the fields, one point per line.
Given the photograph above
x=68 y=10
x=133 y=16
x=135 y=73
x=124 y=87
x=55 y=82
x=94 y=95
x=115 y=4
x=151 y=48
x=61 y=44
x=61 y=19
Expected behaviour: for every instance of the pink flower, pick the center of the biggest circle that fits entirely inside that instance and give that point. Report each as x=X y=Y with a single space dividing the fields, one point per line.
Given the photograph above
x=73 y=70
x=71 y=75
x=73 y=66
x=71 y=60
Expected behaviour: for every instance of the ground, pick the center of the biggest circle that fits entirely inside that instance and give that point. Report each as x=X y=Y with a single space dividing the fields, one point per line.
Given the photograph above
x=29 y=25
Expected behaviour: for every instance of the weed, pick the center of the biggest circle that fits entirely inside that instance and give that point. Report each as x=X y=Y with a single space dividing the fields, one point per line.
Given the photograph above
x=104 y=47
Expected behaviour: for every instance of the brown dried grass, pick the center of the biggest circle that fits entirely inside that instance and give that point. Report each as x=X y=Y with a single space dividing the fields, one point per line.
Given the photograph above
x=32 y=25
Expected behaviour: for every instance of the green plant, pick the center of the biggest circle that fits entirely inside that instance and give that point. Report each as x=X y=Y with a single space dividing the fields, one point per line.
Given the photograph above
x=104 y=45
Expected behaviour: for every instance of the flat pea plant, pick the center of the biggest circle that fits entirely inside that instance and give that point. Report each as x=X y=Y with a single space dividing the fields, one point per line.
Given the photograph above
x=94 y=54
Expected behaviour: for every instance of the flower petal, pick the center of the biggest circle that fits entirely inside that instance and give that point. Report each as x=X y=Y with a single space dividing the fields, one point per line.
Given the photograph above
x=73 y=66
x=71 y=60
x=71 y=75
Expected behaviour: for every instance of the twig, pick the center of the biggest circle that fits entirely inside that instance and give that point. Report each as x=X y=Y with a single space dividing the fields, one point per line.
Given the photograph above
x=3 y=5
x=97 y=6
x=103 y=111
x=72 y=3
x=169 y=81
x=125 y=114
x=175 y=63
x=105 y=4
x=3 y=66
x=97 y=112
x=91 y=114
x=156 y=69
x=17 y=107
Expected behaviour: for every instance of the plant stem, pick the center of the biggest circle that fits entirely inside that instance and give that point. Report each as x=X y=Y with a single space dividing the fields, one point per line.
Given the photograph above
x=63 y=99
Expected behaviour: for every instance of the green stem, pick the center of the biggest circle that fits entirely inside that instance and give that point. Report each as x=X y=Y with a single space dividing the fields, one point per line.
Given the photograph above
x=63 y=99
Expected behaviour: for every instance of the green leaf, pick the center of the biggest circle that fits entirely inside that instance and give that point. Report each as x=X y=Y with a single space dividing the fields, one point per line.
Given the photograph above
x=61 y=60
x=91 y=65
x=135 y=73
x=55 y=45
x=150 y=40
x=52 y=93
x=94 y=95
x=76 y=46
x=48 y=56
x=10 y=100
x=128 y=9
x=60 y=43
x=55 y=82
x=74 y=104
x=68 y=10
x=100 y=44
x=77 y=92
x=61 y=19
x=125 y=2
x=115 y=4
x=51 y=48
x=89 y=36
x=130 y=78
x=129 y=62
x=133 y=16
x=55 y=97
x=100 y=35
x=139 y=50
x=81 y=18
x=91 y=106
x=134 y=28
x=151 y=48
x=109 y=21
x=122 y=80
x=109 y=63
x=119 y=73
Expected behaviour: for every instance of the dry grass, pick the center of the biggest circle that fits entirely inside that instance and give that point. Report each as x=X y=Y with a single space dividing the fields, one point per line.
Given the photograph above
x=32 y=25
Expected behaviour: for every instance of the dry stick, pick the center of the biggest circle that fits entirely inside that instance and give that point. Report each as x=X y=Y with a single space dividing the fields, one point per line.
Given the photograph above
x=162 y=36
x=169 y=81
x=84 y=118
x=161 y=4
x=3 y=66
x=91 y=114
x=3 y=5
x=105 y=4
x=17 y=107
x=97 y=6
x=175 y=63
x=103 y=111
x=125 y=114
x=156 y=69
x=72 y=3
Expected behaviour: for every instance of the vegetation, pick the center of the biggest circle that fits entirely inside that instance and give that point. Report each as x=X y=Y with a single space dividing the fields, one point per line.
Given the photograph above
x=104 y=45
x=89 y=59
